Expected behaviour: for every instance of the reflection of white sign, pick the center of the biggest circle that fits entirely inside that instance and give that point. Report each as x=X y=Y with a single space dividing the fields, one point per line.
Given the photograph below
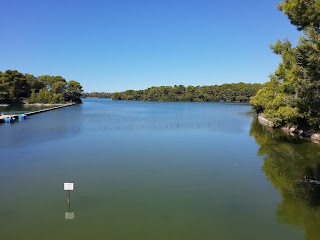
x=69 y=215
x=68 y=186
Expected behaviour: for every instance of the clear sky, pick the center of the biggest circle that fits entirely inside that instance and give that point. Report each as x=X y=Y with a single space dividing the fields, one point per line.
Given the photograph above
x=115 y=45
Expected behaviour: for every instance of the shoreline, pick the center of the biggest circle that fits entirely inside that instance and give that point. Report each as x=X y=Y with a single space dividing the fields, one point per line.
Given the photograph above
x=44 y=104
x=54 y=107
x=32 y=104
x=314 y=137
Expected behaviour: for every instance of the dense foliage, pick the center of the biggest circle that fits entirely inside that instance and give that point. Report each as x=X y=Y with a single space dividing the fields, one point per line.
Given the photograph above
x=16 y=87
x=236 y=92
x=97 y=95
x=292 y=96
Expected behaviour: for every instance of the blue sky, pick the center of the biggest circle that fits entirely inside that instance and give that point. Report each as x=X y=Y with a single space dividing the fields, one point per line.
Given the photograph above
x=115 y=45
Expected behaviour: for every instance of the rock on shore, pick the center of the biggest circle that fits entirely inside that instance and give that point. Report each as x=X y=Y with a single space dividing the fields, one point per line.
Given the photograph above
x=315 y=137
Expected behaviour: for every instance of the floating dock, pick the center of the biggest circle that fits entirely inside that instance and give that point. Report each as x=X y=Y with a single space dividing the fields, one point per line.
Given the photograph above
x=16 y=116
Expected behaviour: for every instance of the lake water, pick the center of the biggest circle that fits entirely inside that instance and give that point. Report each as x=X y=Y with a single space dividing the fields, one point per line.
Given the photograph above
x=156 y=170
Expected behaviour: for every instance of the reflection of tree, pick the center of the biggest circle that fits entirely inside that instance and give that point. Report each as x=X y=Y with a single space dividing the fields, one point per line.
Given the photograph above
x=288 y=163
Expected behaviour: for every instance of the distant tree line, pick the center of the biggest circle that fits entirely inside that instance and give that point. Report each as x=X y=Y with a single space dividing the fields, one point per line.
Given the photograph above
x=235 y=92
x=17 y=87
x=96 y=95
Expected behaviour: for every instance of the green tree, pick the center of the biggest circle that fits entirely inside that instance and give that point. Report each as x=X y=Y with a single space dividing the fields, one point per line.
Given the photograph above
x=13 y=86
x=33 y=96
x=302 y=13
x=46 y=81
x=6 y=90
x=97 y=95
x=296 y=97
x=59 y=87
x=73 y=91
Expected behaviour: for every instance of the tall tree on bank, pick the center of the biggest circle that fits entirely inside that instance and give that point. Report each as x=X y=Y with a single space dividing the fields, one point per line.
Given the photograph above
x=73 y=91
x=15 y=87
x=292 y=96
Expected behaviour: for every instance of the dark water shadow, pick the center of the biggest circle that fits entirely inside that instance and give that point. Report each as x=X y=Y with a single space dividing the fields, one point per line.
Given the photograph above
x=292 y=165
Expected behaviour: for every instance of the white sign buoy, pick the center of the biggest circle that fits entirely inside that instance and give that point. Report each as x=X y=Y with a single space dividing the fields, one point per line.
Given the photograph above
x=68 y=186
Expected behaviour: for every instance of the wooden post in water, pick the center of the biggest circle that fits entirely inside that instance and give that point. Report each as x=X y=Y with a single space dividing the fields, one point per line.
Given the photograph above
x=69 y=201
x=69 y=215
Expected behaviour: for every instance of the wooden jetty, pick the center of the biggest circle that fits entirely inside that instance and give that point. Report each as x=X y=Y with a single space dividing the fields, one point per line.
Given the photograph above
x=16 y=116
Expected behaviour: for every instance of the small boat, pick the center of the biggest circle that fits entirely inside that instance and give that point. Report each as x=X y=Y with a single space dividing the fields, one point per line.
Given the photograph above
x=9 y=119
x=22 y=116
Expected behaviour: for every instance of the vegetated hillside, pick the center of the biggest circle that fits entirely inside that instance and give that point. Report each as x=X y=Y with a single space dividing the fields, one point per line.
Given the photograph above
x=96 y=95
x=235 y=92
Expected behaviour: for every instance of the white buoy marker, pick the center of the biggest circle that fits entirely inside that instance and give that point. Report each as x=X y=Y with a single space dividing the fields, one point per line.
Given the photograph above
x=69 y=187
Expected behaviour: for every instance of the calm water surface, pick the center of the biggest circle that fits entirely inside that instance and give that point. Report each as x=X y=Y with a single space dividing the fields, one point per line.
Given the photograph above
x=156 y=170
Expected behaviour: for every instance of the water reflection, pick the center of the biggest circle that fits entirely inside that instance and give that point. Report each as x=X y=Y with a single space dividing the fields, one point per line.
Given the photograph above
x=293 y=167
x=20 y=108
x=44 y=127
x=69 y=214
